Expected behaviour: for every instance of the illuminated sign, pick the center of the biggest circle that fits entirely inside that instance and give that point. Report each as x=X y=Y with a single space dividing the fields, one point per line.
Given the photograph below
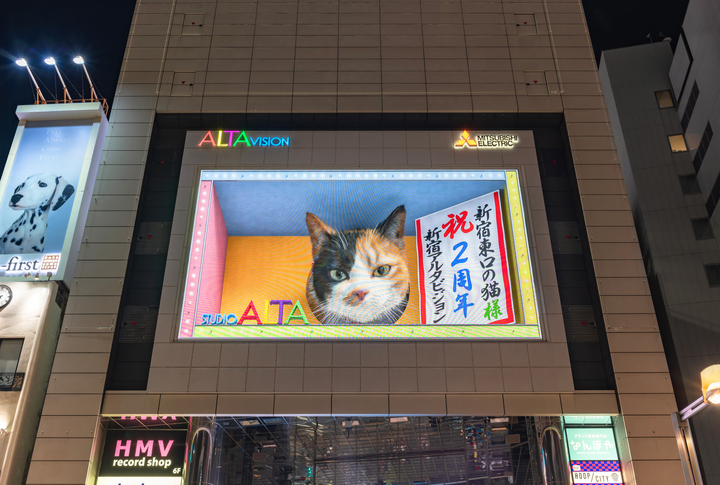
x=46 y=189
x=492 y=140
x=591 y=443
x=238 y=138
x=593 y=453
x=359 y=255
x=142 y=453
x=596 y=472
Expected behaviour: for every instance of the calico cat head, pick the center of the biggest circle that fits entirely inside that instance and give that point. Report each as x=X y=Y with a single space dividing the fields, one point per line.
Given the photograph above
x=358 y=276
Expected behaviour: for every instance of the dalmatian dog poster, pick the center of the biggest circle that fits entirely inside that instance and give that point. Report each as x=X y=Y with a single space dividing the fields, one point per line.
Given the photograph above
x=35 y=210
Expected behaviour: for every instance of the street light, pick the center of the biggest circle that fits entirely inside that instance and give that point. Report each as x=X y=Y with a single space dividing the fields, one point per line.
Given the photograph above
x=710 y=377
x=81 y=61
x=39 y=98
x=50 y=61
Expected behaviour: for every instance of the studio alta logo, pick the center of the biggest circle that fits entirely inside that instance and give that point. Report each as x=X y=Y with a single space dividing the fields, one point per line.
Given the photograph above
x=494 y=140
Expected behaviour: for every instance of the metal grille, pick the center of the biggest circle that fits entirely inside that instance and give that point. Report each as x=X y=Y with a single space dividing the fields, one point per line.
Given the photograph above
x=372 y=451
x=153 y=238
x=138 y=323
x=565 y=237
x=580 y=325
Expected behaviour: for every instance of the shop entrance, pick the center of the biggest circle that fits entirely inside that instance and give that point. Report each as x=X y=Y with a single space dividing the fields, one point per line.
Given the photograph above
x=352 y=450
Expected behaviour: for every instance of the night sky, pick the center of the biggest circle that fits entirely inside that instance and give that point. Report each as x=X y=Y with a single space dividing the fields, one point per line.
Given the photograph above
x=98 y=30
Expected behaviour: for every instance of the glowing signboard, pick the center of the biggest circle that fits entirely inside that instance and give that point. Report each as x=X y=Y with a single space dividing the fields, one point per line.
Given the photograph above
x=492 y=140
x=46 y=189
x=142 y=453
x=591 y=443
x=596 y=472
x=353 y=256
x=241 y=139
x=593 y=454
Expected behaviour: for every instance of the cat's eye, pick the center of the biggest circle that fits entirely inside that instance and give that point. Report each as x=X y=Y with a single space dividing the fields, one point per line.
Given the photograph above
x=338 y=275
x=382 y=270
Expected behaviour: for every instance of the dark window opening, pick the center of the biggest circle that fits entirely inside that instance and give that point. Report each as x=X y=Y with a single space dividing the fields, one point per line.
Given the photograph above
x=10 y=350
x=703 y=147
x=690 y=107
x=689 y=184
x=712 y=271
x=702 y=229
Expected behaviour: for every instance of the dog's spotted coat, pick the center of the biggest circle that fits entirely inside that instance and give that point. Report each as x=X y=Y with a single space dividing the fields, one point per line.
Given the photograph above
x=37 y=196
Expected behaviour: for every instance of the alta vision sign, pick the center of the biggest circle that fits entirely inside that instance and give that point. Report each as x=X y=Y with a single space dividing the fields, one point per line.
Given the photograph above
x=239 y=138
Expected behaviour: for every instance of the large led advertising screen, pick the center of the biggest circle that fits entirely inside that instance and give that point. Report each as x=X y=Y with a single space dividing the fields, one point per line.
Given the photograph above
x=359 y=255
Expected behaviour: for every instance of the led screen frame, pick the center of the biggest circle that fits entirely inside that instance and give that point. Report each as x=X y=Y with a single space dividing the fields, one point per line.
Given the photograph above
x=210 y=236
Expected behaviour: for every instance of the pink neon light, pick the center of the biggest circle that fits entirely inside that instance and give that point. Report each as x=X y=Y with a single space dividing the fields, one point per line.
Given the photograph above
x=206 y=271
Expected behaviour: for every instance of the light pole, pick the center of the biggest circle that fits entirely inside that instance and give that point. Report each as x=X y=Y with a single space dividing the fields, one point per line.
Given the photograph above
x=39 y=98
x=81 y=61
x=710 y=378
x=50 y=61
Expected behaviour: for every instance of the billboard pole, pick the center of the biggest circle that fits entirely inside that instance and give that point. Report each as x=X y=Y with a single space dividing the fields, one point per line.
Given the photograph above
x=39 y=98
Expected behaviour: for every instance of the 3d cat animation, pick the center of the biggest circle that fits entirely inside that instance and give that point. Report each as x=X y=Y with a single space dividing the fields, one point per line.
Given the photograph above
x=359 y=276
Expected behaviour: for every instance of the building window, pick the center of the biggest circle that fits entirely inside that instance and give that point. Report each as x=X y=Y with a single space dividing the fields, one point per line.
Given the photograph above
x=714 y=197
x=712 y=271
x=703 y=147
x=677 y=143
x=9 y=357
x=689 y=184
x=702 y=228
x=685 y=121
x=664 y=99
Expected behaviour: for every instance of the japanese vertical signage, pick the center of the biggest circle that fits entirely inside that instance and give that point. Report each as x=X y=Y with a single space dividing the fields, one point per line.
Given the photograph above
x=462 y=265
x=593 y=456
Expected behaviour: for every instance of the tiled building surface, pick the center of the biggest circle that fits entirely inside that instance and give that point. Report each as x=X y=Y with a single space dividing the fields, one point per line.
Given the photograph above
x=503 y=60
x=671 y=216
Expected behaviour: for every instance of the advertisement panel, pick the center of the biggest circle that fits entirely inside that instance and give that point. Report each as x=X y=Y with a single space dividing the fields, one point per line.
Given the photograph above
x=593 y=455
x=45 y=190
x=359 y=255
x=131 y=456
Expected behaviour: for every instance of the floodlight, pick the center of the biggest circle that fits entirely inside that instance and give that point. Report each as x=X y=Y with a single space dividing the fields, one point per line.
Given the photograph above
x=39 y=98
x=78 y=60
x=711 y=383
x=50 y=61
x=81 y=61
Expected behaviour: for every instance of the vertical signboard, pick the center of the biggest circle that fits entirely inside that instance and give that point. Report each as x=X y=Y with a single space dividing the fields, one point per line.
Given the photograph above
x=463 y=265
x=133 y=457
x=46 y=187
x=593 y=456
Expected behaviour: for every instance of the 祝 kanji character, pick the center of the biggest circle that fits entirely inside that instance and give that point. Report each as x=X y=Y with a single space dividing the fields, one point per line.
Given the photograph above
x=462 y=279
x=457 y=223
x=493 y=310
x=463 y=304
x=491 y=290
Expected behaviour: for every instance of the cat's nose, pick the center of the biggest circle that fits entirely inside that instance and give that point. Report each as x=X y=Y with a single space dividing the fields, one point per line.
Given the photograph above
x=361 y=294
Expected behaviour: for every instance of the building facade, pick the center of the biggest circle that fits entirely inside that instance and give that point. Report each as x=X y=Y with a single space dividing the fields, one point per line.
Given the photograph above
x=502 y=95
x=664 y=131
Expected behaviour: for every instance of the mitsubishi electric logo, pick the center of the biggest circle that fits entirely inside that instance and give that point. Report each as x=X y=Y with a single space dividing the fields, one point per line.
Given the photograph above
x=486 y=141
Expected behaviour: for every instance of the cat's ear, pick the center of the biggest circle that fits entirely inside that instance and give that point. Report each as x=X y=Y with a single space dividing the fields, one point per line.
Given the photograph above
x=394 y=226
x=319 y=231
